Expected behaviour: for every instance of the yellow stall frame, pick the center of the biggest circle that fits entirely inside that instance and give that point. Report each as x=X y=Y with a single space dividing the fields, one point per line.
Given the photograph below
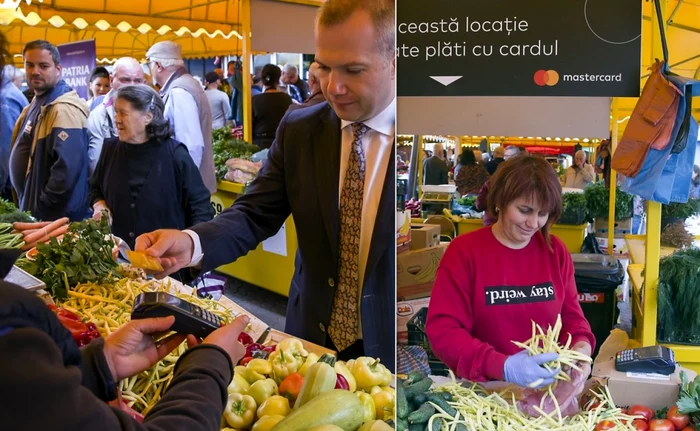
x=271 y=270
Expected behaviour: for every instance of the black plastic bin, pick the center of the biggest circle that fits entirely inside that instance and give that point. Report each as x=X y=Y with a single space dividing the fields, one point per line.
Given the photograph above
x=597 y=277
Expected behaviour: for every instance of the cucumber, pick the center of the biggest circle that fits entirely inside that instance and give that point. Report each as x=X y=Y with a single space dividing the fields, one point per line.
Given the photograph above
x=418 y=388
x=401 y=402
x=446 y=396
x=401 y=424
x=416 y=427
x=416 y=376
x=461 y=427
x=420 y=399
x=440 y=402
x=337 y=407
x=422 y=415
x=437 y=425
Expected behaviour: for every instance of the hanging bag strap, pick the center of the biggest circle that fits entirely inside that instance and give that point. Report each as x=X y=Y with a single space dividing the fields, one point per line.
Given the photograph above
x=662 y=33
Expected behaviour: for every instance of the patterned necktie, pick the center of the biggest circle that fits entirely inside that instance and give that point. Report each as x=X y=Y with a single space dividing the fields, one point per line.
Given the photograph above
x=344 y=316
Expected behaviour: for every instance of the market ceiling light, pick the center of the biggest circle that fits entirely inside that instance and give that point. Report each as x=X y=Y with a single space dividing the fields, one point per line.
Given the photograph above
x=557 y=139
x=586 y=140
x=548 y=139
x=566 y=139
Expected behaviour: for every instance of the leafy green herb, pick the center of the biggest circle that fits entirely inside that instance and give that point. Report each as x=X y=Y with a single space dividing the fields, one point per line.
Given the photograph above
x=689 y=398
x=681 y=211
x=598 y=201
x=17 y=216
x=84 y=255
x=7 y=207
x=679 y=297
x=574 y=209
x=226 y=147
x=467 y=201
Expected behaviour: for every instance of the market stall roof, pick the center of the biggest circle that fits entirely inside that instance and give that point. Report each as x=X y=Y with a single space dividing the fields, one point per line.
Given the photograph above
x=204 y=28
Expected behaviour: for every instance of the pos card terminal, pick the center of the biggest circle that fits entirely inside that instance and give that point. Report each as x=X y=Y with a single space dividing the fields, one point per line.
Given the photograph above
x=652 y=359
x=189 y=318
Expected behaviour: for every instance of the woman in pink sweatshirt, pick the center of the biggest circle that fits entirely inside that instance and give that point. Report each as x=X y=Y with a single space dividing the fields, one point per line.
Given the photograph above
x=493 y=282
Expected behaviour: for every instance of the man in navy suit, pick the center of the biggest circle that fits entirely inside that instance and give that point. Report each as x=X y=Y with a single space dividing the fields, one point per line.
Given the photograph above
x=332 y=167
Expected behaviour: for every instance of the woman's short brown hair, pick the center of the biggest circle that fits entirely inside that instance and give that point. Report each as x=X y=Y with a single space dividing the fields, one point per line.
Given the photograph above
x=528 y=177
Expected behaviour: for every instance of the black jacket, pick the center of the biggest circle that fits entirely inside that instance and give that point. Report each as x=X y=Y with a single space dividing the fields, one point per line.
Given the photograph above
x=49 y=384
x=301 y=177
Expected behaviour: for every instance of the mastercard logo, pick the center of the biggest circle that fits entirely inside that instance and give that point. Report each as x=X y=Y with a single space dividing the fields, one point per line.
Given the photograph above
x=546 y=77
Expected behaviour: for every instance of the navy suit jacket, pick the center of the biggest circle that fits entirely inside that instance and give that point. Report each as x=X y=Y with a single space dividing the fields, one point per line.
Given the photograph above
x=301 y=178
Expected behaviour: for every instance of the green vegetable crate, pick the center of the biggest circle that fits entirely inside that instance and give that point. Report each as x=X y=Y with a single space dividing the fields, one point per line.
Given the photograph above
x=418 y=337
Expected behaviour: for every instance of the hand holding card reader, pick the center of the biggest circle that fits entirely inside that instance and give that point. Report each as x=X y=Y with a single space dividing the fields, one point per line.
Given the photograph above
x=652 y=359
x=189 y=318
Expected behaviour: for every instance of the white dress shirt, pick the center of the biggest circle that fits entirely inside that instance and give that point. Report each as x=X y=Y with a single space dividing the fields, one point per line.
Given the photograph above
x=377 y=144
x=182 y=112
x=100 y=126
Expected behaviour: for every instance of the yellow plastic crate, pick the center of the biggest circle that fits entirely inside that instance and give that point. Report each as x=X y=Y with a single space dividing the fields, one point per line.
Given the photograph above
x=255 y=267
x=571 y=235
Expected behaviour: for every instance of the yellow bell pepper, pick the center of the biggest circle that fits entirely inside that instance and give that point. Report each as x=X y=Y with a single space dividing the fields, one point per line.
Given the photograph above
x=262 y=390
x=388 y=389
x=259 y=369
x=276 y=405
x=285 y=362
x=266 y=423
x=376 y=425
x=342 y=369
x=310 y=360
x=368 y=406
x=369 y=372
x=384 y=404
x=240 y=411
x=294 y=346
x=239 y=385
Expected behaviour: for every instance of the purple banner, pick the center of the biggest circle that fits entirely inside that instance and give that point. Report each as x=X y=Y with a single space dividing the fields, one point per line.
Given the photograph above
x=77 y=61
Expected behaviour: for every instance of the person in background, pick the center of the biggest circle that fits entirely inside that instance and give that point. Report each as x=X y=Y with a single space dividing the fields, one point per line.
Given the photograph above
x=48 y=161
x=290 y=77
x=224 y=85
x=471 y=175
x=498 y=158
x=257 y=85
x=486 y=157
x=427 y=154
x=12 y=103
x=14 y=75
x=695 y=183
x=316 y=96
x=435 y=171
x=332 y=168
x=99 y=86
x=101 y=125
x=478 y=157
x=581 y=173
x=219 y=102
x=145 y=180
x=481 y=199
x=186 y=106
x=235 y=79
x=269 y=107
x=472 y=290
x=71 y=386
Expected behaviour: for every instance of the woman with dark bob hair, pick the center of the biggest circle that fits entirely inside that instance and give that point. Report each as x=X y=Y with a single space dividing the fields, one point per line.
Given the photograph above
x=146 y=180
x=491 y=283
x=471 y=175
x=269 y=107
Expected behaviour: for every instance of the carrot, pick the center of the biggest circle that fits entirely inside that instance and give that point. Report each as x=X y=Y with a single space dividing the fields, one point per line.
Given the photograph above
x=45 y=231
x=25 y=226
x=55 y=233
x=28 y=231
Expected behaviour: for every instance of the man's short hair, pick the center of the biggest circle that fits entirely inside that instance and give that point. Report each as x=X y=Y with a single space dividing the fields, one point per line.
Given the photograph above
x=383 y=13
x=499 y=151
x=44 y=45
x=290 y=69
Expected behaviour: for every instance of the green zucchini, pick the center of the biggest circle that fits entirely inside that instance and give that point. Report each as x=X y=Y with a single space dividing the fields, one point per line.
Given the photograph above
x=440 y=402
x=401 y=402
x=422 y=415
x=420 y=399
x=418 y=388
x=337 y=407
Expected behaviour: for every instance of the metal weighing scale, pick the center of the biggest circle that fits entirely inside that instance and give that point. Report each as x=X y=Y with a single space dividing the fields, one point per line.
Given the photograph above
x=434 y=199
x=24 y=279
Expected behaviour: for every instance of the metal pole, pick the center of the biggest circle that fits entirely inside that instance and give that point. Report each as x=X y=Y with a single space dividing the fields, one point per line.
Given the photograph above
x=246 y=58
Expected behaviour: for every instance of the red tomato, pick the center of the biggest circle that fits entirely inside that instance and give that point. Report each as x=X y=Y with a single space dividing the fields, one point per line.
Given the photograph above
x=645 y=412
x=689 y=428
x=661 y=425
x=679 y=420
x=640 y=425
x=605 y=425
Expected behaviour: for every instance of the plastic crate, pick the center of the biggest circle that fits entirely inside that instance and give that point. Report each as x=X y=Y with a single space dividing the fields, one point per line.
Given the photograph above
x=418 y=337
